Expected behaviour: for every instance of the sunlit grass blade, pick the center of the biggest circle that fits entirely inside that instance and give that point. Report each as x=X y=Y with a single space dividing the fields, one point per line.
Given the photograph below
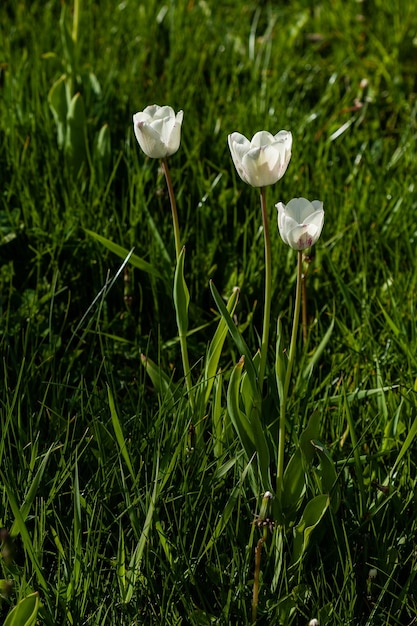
x=78 y=547
x=308 y=370
x=227 y=511
x=121 y=441
x=134 y=565
x=21 y=528
x=32 y=492
x=162 y=383
x=121 y=252
x=121 y=563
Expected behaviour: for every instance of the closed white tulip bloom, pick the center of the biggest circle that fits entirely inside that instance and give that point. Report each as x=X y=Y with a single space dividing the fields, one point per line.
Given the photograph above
x=300 y=222
x=158 y=130
x=262 y=161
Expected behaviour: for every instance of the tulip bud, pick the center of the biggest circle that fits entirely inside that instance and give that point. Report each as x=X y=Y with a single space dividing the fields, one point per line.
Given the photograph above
x=262 y=161
x=158 y=130
x=300 y=222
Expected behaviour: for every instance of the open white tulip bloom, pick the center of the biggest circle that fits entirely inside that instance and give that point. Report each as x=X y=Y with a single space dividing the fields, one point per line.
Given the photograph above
x=158 y=130
x=300 y=222
x=262 y=161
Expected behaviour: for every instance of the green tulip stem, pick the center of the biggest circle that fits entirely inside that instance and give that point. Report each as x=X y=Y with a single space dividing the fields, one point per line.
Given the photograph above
x=268 y=283
x=173 y=207
x=291 y=357
x=182 y=335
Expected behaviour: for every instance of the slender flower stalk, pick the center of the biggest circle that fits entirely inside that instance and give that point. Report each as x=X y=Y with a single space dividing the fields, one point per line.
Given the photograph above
x=291 y=357
x=304 y=303
x=262 y=161
x=255 y=593
x=158 y=132
x=181 y=332
x=263 y=522
x=268 y=285
x=173 y=203
x=300 y=223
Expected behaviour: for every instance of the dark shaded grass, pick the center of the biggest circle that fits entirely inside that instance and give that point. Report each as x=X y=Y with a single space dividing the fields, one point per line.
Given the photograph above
x=342 y=79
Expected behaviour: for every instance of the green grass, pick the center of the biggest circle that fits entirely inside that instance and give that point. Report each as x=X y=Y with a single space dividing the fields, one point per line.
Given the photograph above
x=119 y=512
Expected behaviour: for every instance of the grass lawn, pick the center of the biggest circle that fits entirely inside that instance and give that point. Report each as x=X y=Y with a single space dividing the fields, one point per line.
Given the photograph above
x=131 y=494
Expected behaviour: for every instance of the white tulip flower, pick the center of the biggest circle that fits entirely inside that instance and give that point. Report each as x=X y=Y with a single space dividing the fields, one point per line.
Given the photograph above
x=300 y=222
x=262 y=161
x=158 y=130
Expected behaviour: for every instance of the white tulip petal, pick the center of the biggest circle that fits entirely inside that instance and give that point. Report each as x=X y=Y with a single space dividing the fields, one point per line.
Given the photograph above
x=158 y=130
x=261 y=139
x=302 y=236
x=300 y=222
x=263 y=160
x=150 y=141
x=317 y=204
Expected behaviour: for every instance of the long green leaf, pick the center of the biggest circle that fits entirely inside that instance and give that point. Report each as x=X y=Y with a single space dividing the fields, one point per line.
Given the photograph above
x=328 y=475
x=238 y=417
x=248 y=427
x=227 y=512
x=30 y=496
x=312 y=514
x=123 y=252
x=181 y=295
x=318 y=352
x=121 y=441
x=239 y=341
x=24 y=533
x=162 y=383
x=136 y=559
x=216 y=346
x=25 y=612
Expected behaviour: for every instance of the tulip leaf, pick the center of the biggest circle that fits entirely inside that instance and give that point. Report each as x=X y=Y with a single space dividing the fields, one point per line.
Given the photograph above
x=310 y=432
x=248 y=426
x=121 y=252
x=219 y=417
x=102 y=151
x=75 y=138
x=293 y=485
x=239 y=341
x=216 y=345
x=328 y=474
x=68 y=43
x=58 y=103
x=181 y=295
x=25 y=612
x=246 y=390
x=280 y=362
x=162 y=383
x=238 y=417
x=312 y=514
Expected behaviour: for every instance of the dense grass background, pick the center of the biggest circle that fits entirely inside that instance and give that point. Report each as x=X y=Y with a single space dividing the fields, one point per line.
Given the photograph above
x=342 y=77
